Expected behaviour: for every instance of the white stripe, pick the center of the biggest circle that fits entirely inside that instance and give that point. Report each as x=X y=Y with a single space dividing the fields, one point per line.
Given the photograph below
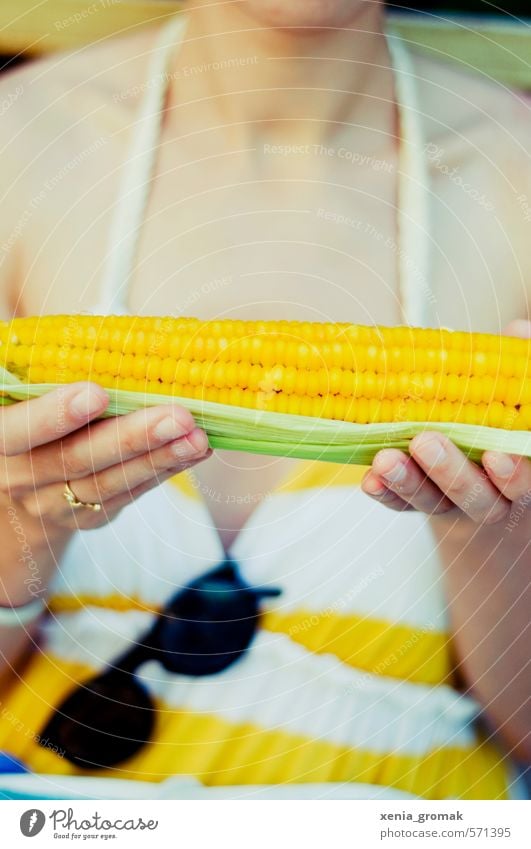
x=281 y=686
x=336 y=549
x=348 y=556
x=94 y=636
x=156 y=545
x=184 y=787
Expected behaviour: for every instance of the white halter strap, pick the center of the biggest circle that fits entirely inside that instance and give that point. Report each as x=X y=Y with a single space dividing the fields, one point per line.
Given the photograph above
x=135 y=186
x=413 y=248
x=414 y=244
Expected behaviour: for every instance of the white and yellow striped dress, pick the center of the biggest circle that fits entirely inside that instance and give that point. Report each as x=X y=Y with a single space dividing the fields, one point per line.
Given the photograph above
x=350 y=676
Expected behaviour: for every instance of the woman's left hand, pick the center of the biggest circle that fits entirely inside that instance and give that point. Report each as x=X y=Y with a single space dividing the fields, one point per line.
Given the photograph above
x=438 y=478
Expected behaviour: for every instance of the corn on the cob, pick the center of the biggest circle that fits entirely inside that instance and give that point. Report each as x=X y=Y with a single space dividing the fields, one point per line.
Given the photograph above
x=342 y=371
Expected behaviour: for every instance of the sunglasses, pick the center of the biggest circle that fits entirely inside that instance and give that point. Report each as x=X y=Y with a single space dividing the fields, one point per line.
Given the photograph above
x=204 y=629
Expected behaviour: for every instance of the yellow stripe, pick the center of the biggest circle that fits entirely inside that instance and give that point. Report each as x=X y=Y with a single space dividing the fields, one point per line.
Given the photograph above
x=372 y=645
x=184 y=482
x=319 y=475
x=312 y=474
x=58 y=604
x=392 y=650
x=221 y=753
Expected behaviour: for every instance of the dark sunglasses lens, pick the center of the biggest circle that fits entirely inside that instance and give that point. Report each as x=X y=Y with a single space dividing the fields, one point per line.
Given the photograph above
x=208 y=626
x=102 y=723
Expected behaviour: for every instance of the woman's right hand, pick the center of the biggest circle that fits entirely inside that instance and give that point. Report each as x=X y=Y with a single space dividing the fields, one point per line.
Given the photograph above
x=53 y=439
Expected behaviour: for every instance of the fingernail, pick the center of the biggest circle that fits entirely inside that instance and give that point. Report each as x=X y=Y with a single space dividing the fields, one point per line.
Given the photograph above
x=199 y=441
x=168 y=429
x=501 y=465
x=395 y=474
x=87 y=402
x=522 y=328
x=373 y=487
x=193 y=445
x=430 y=450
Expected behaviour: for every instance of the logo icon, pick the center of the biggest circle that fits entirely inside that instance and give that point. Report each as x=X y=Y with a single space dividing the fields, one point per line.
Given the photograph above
x=32 y=822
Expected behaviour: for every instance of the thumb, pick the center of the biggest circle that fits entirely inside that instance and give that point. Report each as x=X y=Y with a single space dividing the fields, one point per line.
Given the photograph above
x=520 y=328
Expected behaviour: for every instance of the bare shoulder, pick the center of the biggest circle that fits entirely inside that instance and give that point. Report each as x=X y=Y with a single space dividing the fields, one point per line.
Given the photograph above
x=103 y=69
x=468 y=109
x=65 y=121
x=54 y=105
x=478 y=142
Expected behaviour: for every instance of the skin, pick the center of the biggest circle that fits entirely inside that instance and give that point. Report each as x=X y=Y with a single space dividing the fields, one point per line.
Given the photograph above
x=217 y=189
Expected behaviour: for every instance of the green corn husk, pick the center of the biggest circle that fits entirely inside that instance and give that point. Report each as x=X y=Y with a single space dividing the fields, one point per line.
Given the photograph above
x=284 y=435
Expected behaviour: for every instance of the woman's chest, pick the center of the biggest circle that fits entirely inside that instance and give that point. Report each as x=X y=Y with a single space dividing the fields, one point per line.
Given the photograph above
x=325 y=244
x=238 y=243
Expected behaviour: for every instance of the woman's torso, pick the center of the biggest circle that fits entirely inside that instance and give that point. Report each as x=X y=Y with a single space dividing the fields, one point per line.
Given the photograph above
x=234 y=229
x=323 y=695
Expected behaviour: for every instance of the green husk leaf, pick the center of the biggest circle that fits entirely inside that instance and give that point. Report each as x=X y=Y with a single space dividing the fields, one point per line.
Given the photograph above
x=280 y=434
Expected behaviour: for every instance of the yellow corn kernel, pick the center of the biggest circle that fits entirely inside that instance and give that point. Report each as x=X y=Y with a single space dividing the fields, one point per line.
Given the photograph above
x=337 y=371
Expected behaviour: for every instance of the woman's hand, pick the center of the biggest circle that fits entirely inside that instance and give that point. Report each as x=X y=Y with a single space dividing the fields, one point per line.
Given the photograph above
x=437 y=478
x=50 y=440
x=481 y=534
x=53 y=439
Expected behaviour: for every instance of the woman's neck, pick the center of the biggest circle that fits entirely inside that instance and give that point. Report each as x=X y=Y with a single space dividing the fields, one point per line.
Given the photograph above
x=285 y=86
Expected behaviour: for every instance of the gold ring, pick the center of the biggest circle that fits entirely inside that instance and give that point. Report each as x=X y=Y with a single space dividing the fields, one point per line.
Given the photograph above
x=74 y=502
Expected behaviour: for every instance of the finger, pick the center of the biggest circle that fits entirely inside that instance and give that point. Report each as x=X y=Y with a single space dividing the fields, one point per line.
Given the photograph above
x=120 y=486
x=464 y=483
x=104 y=444
x=510 y=475
x=519 y=328
x=124 y=477
x=28 y=424
x=375 y=488
x=113 y=507
x=402 y=475
x=50 y=498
